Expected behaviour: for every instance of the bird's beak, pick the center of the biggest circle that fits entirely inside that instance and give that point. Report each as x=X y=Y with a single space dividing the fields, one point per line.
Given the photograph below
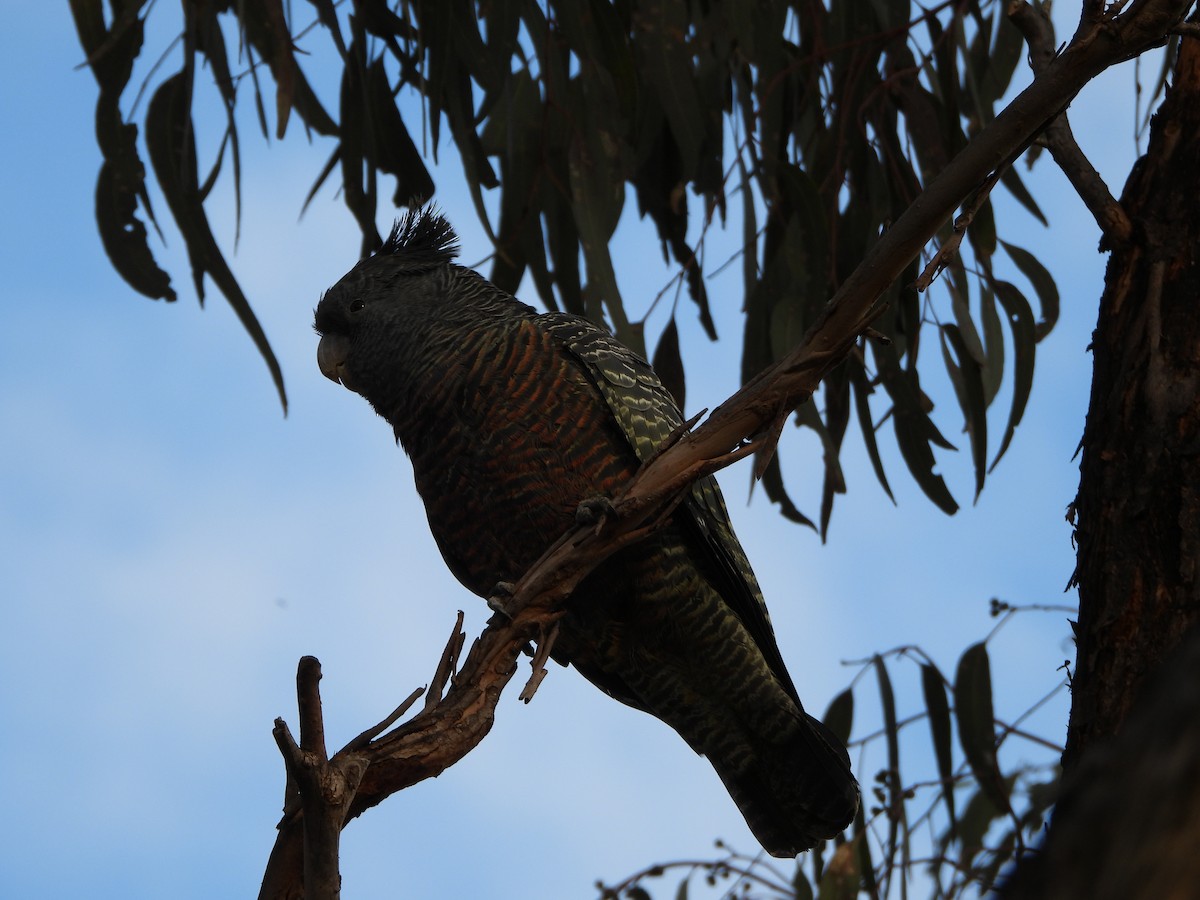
x=331 y=357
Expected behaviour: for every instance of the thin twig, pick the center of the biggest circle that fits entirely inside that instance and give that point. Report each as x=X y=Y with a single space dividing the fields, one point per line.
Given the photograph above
x=447 y=664
x=1035 y=25
x=365 y=738
x=544 y=646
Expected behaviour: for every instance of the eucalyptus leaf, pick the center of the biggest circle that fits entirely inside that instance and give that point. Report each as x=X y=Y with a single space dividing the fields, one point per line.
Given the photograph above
x=933 y=687
x=976 y=722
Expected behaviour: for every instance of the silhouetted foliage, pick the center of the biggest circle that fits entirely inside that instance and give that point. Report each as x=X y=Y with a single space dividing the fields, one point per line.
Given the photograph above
x=818 y=122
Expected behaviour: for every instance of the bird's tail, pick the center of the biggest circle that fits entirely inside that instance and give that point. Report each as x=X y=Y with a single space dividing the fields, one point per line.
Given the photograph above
x=787 y=772
x=794 y=788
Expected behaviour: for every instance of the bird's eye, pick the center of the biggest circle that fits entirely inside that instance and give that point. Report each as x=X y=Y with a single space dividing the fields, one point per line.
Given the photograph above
x=356 y=305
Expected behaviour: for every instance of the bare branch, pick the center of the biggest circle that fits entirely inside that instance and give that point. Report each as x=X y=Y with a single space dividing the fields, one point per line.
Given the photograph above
x=365 y=738
x=1035 y=25
x=447 y=664
x=545 y=645
x=326 y=787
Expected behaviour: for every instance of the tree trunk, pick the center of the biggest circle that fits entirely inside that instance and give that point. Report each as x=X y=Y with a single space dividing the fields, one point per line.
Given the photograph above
x=1138 y=508
x=1128 y=821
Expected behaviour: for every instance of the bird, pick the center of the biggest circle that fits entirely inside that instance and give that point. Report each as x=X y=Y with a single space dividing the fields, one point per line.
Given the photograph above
x=512 y=420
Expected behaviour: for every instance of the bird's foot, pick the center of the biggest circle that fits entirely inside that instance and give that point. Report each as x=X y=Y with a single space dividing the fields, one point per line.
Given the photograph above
x=594 y=512
x=500 y=602
x=500 y=599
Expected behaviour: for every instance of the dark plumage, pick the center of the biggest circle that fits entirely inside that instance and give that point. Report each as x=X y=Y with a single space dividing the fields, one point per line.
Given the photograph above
x=511 y=419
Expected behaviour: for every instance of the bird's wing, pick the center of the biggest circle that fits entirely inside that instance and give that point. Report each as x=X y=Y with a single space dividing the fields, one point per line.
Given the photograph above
x=648 y=415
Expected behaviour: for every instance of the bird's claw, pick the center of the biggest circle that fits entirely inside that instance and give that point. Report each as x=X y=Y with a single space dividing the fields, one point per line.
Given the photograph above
x=500 y=599
x=594 y=512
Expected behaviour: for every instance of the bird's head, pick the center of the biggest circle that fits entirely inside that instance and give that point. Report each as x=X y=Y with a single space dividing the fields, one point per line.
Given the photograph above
x=379 y=307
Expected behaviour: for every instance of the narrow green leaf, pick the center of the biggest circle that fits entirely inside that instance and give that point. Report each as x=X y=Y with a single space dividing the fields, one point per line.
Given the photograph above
x=982 y=232
x=562 y=239
x=533 y=244
x=509 y=261
x=960 y=305
x=170 y=135
x=694 y=278
x=891 y=731
x=123 y=234
x=920 y=461
x=215 y=172
x=862 y=391
x=967 y=377
x=597 y=199
x=756 y=333
x=355 y=133
x=280 y=60
x=1043 y=286
x=121 y=182
x=945 y=65
x=668 y=363
x=502 y=46
x=837 y=418
x=976 y=722
x=913 y=428
x=391 y=148
x=446 y=28
x=260 y=108
x=993 y=337
x=887 y=698
x=681 y=892
x=1011 y=180
x=749 y=232
x=933 y=686
x=772 y=482
x=806 y=247
x=839 y=717
x=893 y=13
x=327 y=16
x=1020 y=320
x=977 y=60
x=787 y=321
x=334 y=158
x=667 y=69
x=593 y=30
x=1007 y=51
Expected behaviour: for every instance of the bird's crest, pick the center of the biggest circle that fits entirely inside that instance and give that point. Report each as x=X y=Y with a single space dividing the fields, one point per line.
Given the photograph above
x=422 y=238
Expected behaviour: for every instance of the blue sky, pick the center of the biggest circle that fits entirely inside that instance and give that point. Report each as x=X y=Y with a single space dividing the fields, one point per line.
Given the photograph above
x=172 y=544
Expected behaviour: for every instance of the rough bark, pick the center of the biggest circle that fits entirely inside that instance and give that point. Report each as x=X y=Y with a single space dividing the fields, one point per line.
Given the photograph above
x=1137 y=513
x=1128 y=823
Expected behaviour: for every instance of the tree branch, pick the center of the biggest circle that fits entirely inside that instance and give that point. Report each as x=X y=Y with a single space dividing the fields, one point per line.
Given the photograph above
x=1035 y=25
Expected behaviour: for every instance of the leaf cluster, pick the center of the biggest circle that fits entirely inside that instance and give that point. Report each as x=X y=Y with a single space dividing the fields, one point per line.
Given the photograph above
x=812 y=124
